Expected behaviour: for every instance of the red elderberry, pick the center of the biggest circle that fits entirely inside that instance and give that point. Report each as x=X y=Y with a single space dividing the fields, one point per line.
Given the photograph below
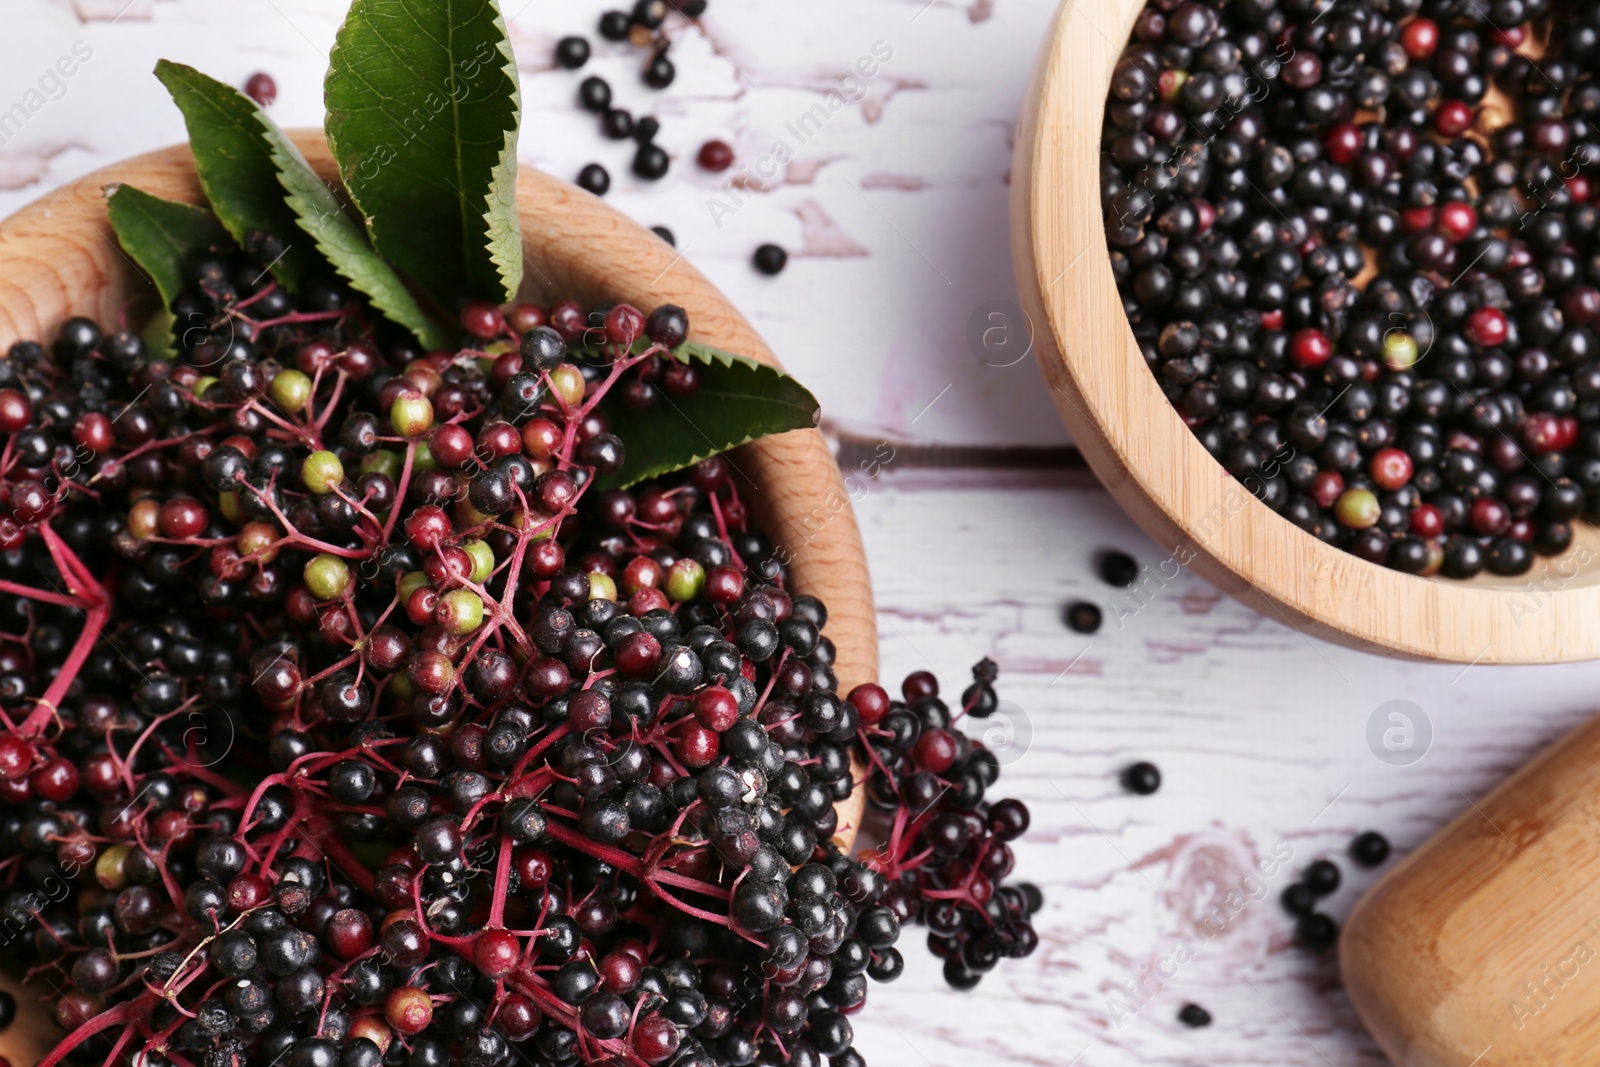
x=935 y=751
x=428 y=527
x=15 y=756
x=871 y=703
x=349 y=933
x=716 y=708
x=496 y=952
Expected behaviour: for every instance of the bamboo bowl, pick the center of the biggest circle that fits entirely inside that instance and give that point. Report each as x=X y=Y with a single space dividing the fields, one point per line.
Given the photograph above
x=1159 y=472
x=59 y=257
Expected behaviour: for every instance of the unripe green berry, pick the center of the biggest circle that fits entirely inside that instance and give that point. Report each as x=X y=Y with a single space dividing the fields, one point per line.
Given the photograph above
x=411 y=415
x=1399 y=350
x=322 y=472
x=326 y=576
x=384 y=462
x=460 y=611
x=423 y=459
x=601 y=587
x=1357 y=509
x=290 y=391
x=566 y=381
x=409 y=583
x=685 y=579
x=482 y=560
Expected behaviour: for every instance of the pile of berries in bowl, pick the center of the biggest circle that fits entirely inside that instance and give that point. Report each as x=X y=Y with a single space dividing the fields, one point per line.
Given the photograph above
x=365 y=729
x=1356 y=247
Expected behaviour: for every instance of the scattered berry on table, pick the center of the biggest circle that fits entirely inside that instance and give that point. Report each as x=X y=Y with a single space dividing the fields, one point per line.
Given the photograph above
x=261 y=88
x=617 y=124
x=1084 y=617
x=614 y=25
x=1369 y=849
x=659 y=72
x=572 y=52
x=594 y=93
x=595 y=179
x=1316 y=932
x=1194 y=1015
x=1118 y=569
x=770 y=259
x=651 y=161
x=1298 y=899
x=665 y=234
x=1142 y=778
x=715 y=156
x=1322 y=877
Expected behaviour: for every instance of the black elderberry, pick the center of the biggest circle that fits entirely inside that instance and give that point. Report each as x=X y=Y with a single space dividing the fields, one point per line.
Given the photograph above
x=1141 y=778
x=1299 y=899
x=594 y=94
x=651 y=161
x=770 y=259
x=1316 y=932
x=1083 y=617
x=1370 y=849
x=659 y=72
x=1322 y=877
x=572 y=52
x=1118 y=569
x=595 y=179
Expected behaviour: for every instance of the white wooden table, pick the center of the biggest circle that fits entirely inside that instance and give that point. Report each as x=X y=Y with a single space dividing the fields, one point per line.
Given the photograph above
x=982 y=527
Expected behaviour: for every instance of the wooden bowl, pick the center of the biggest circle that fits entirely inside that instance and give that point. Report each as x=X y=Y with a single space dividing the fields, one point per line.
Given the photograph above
x=59 y=257
x=1160 y=473
x=1483 y=946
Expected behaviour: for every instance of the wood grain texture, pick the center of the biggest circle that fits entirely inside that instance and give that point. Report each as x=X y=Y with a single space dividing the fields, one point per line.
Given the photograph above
x=59 y=257
x=1139 y=446
x=1484 y=945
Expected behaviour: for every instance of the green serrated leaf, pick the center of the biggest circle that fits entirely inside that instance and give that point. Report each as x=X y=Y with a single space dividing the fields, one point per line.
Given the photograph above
x=233 y=160
x=160 y=234
x=320 y=214
x=423 y=105
x=157 y=334
x=739 y=400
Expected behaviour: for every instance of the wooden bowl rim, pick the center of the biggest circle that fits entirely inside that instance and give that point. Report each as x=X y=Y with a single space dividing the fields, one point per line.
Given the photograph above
x=1139 y=446
x=58 y=255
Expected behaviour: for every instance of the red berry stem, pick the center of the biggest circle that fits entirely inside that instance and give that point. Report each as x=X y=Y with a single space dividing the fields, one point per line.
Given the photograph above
x=110 y=1017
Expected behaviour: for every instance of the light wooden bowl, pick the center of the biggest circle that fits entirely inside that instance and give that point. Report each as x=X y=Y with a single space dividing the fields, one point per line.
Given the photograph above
x=1483 y=946
x=1161 y=474
x=59 y=257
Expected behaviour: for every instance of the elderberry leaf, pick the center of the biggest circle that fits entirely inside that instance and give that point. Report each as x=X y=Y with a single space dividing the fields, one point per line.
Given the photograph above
x=739 y=400
x=256 y=179
x=319 y=212
x=232 y=159
x=160 y=235
x=423 y=106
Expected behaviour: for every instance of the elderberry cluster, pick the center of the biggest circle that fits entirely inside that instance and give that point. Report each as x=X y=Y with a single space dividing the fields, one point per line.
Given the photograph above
x=353 y=714
x=1357 y=244
x=948 y=844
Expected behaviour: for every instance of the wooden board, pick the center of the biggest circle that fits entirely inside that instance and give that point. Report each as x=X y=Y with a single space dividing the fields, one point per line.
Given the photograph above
x=1139 y=446
x=58 y=257
x=1484 y=945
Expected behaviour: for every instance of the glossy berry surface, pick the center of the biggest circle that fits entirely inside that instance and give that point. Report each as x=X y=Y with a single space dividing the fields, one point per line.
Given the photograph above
x=1338 y=285
x=1370 y=849
x=385 y=723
